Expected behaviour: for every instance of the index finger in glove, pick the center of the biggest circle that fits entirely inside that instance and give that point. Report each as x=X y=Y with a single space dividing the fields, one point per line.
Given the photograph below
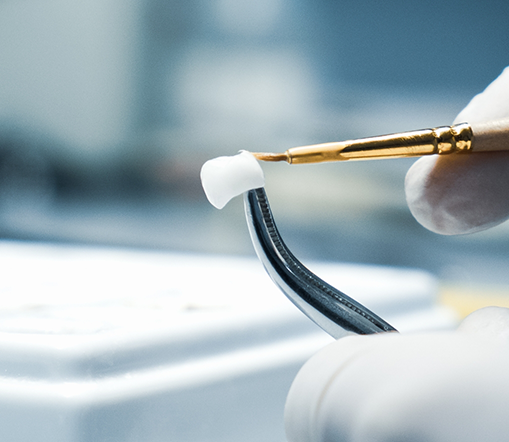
x=459 y=194
x=455 y=194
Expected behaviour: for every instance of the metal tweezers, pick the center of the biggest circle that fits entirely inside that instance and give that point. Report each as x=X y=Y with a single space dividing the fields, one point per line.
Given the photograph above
x=332 y=310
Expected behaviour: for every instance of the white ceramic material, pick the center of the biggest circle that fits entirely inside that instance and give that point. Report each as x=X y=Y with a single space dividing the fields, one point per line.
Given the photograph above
x=226 y=177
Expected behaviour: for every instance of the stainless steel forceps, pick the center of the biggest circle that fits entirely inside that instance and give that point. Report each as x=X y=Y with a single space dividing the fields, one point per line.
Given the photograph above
x=329 y=308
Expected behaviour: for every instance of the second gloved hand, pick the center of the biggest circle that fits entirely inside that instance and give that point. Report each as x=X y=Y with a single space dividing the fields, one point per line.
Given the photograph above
x=429 y=387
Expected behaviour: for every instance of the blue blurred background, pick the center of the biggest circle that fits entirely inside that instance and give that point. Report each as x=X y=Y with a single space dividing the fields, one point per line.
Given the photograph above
x=109 y=108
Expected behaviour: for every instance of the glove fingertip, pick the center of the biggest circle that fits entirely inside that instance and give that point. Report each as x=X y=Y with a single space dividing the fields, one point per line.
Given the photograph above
x=459 y=194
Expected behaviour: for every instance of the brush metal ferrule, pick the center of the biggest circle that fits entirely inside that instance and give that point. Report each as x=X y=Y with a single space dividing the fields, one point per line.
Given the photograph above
x=441 y=140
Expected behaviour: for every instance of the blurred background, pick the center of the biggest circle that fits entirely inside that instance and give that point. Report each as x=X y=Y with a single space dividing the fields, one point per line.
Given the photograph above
x=108 y=109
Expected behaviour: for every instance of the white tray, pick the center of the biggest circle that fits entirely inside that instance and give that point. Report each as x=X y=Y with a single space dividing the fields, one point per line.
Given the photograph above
x=120 y=345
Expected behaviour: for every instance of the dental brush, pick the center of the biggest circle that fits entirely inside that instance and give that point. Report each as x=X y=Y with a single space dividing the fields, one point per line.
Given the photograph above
x=459 y=138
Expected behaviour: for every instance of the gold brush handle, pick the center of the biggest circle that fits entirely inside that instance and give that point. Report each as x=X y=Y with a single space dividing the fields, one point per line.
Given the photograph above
x=460 y=138
x=441 y=140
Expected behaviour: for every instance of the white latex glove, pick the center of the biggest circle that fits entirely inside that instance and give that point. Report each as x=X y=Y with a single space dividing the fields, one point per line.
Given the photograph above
x=436 y=387
x=454 y=194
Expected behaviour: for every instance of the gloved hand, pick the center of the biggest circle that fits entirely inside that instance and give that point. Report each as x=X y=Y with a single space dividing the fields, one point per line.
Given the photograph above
x=437 y=387
x=454 y=194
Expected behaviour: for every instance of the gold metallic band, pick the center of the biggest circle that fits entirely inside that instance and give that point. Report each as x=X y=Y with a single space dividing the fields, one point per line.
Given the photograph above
x=463 y=135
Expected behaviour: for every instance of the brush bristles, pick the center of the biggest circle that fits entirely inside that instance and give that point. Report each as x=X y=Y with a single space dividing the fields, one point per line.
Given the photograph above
x=271 y=156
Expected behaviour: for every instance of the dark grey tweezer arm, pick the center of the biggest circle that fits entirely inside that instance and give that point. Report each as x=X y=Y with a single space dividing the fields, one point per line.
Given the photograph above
x=331 y=309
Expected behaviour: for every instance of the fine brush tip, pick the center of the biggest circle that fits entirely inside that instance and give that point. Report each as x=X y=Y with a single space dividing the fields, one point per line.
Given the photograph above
x=270 y=156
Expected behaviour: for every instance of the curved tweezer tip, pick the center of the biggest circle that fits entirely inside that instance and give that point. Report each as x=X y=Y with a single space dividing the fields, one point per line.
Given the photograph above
x=331 y=309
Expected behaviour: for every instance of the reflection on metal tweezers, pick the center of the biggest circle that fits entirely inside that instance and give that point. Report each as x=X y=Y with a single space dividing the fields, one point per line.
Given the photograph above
x=329 y=308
